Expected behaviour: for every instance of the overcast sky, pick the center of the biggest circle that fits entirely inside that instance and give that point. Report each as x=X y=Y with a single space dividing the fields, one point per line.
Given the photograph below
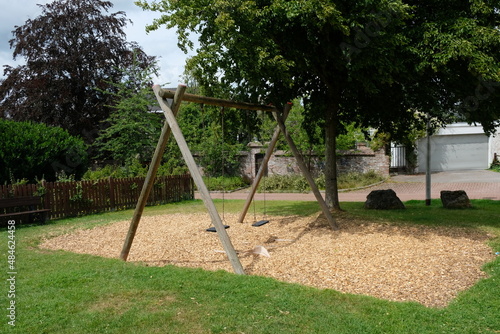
x=161 y=43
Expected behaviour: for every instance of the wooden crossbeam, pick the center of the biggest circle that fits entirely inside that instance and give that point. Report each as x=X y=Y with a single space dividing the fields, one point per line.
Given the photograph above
x=168 y=94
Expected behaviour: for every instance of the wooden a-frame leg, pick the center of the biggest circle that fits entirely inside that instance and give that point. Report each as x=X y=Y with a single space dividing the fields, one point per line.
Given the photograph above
x=150 y=176
x=202 y=188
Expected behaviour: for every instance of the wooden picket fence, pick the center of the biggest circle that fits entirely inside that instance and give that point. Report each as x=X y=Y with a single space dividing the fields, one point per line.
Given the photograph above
x=69 y=199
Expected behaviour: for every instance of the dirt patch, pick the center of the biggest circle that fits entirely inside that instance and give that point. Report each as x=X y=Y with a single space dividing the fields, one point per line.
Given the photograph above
x=411 y=263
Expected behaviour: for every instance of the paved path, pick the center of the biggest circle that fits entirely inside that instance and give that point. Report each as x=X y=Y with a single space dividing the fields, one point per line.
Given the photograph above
x=478 y=184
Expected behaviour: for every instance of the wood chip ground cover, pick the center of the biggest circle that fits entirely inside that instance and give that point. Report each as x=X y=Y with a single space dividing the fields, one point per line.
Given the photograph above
x=428 y=265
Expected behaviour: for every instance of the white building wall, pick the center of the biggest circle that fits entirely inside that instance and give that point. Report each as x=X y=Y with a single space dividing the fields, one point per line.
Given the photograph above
x=457 y=134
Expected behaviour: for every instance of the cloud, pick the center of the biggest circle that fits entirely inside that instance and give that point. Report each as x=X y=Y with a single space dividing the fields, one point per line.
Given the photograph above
x=161 y=43
x=15 y=13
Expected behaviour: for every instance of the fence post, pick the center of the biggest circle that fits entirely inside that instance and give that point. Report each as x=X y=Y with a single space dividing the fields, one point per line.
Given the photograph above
x=45 y=198
x=112 y=204
x=162 y=190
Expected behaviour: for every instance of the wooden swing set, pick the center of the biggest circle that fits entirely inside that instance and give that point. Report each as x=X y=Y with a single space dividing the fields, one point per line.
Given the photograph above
x=171 y=126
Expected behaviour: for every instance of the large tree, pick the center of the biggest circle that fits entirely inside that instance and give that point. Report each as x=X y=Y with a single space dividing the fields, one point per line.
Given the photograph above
x=374 y=62
x=72 y=48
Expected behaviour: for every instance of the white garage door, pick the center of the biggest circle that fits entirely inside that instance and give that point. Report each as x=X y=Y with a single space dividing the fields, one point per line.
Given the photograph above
x=455 y=152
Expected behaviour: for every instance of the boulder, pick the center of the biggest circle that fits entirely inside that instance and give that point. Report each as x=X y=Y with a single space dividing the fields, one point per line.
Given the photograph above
x=383 y=200
x=457 y=199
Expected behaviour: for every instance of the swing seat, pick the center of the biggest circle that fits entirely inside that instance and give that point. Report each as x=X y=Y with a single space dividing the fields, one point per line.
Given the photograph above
x=212 y=229
x=260 y=223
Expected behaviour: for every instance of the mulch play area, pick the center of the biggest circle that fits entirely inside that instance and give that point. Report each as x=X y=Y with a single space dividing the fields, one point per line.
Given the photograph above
x=428 y=265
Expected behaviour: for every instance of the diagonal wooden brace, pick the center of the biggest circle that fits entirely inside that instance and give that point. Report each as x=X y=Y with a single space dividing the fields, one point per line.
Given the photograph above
x=326 y=211
x=263 y=166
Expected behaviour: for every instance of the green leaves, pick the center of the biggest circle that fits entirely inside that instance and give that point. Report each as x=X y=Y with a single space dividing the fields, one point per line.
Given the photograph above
x=36 y=151
x=133 y=130
x=71 y=49
x=373 y=62
x=456 y=47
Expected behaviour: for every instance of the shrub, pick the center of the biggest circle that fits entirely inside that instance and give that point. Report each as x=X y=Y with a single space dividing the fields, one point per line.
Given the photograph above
x=103 y=172
x=34 y=151
x=495 y=165
x=283 y=183
x=133 y=169
x=173 y=167
x=297 y=183
x=225 y=183
x=356 y=180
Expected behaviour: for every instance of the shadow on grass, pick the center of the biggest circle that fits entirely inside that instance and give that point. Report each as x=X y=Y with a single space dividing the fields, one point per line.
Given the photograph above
x=484 y=213
x=274 y=208
x=292 y=208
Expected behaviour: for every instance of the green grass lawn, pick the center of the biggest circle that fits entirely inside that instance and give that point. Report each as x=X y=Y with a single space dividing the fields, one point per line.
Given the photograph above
x=61 y=292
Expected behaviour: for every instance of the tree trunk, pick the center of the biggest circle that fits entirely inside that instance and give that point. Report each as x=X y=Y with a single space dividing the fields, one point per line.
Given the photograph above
x=331 y=188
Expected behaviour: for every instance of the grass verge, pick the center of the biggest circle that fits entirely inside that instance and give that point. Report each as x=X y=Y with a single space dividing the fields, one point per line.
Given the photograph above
x=61 y=292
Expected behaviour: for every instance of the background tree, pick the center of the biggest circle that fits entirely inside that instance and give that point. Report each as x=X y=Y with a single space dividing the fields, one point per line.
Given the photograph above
x=275 y=51
x=457 y=45
x=71 y=49
x=216 y=134
x=373 y=62
x=132 y=129
x=35 y=151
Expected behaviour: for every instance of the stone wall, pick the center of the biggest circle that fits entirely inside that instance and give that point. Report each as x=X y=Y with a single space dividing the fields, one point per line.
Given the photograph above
x=362 y=160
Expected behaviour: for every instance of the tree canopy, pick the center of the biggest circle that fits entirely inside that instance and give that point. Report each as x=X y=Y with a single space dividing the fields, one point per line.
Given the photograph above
x=72 y=52
x=374 y=62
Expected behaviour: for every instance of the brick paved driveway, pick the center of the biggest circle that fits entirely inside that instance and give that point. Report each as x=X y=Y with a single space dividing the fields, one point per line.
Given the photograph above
x=478 y=184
